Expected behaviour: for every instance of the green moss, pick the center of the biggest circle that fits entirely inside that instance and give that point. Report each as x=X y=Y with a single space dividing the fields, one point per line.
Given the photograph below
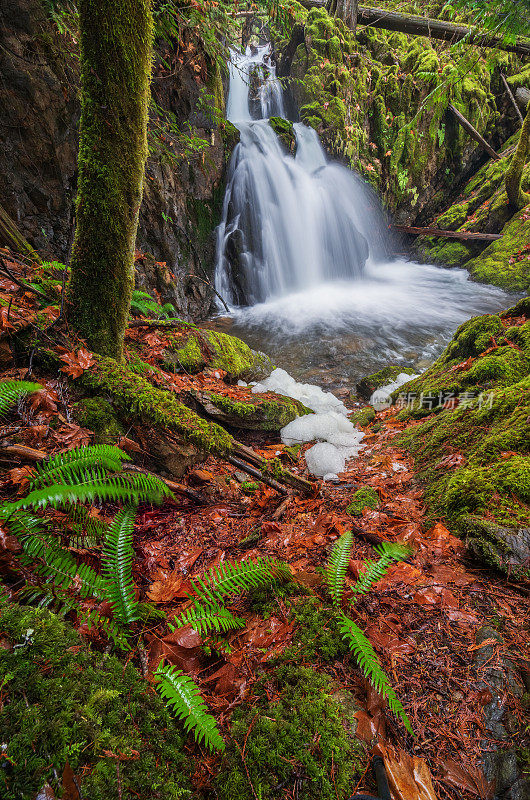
x=363 y=417
x=361 y=499
x=134 y=394
x=506 y=262
x=295 y=735
x=317 y=636
x=190 y=356
x=97 y=414
x=62 y=702
x=367 y=385
x=449 y=254
x=217 y=351
x=248 y=487
x=284 y=129
x=262 y=414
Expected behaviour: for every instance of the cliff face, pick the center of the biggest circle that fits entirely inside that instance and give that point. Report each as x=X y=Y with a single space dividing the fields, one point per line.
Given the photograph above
x=39 y=116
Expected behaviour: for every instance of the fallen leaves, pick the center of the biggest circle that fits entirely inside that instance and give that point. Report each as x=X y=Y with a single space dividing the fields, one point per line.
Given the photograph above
x=77 y=363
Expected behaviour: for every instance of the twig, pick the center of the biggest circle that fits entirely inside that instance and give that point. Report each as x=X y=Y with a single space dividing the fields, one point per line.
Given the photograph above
x=175 y=487
x=23 y=285
x=512 y=98
x=257 y=474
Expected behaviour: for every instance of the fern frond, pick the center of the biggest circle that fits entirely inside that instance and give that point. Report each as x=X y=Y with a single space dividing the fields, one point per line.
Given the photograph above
x=182 y=695
x=61 y=566
x=23 y=525
x=335 y=571
x=71 y=465
x=12 y=391
x=112 y=629
x=118 y=556
x=131 y=489
x=371 y=666
x=207 y=618
x=241 y=576
x=375 y=570
x=87 y=530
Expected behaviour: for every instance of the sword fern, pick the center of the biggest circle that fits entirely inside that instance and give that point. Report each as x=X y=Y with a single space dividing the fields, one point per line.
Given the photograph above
x=13 y=391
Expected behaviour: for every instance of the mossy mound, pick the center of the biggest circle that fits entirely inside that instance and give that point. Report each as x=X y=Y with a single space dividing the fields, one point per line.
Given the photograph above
x=317 y=636
x=486 y=352
x=474 y=458
x=361 y=499
x=285 y=131
x=194 y=349
x=296 y=738
x=62 y=702
x=367 y=385
x=363 y=417
x=97 y=414
x=262 y=413
x=506 y=262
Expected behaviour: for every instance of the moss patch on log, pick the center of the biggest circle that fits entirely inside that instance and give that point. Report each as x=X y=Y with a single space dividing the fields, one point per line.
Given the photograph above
x=261 y=414
x=64 y=703
x=195 y=349
x=285 y=131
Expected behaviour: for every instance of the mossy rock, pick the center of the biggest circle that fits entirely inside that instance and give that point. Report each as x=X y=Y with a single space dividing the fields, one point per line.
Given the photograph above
x=506 y=262
x=499 y=547
x=367 y=385
x=284 y=129
x=361 y=499
x=64 y=703
x=194 y=350
x=299 y=739
x=98 y=415
x=363 y=417
x=261 y=413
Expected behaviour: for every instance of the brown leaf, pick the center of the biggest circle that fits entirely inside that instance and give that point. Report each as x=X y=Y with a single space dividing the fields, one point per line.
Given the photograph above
x=70 y=785
x=45 y=793
x=77 y=363
x=469 y=778
x=182 y=648
x=408 y=776
x=168 y=587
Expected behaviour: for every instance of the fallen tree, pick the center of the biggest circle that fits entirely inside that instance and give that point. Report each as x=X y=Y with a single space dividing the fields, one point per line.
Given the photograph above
x=426 y=26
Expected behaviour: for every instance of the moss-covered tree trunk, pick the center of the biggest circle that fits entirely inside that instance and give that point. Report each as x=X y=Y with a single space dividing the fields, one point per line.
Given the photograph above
x=516 y=197
x=346 y=10
x=116 y=39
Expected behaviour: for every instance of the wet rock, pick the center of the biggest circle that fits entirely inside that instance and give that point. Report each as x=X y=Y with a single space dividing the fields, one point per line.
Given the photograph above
x=504 y=548
x=367 y=385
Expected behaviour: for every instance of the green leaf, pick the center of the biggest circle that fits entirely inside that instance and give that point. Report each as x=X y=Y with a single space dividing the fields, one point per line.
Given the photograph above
x=118 y=556
x=71 y=466
x=371 y=666
x=335 y=571
x=375 y=570
x=208 y=617
x=183 y=697
x=12 y=391
x=231 y=578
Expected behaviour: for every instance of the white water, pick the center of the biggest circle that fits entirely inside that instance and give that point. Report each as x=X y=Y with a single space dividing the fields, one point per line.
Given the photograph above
x=303 y=254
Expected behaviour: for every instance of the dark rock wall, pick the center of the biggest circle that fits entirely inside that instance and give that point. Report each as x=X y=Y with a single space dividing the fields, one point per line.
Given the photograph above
x=39 y=116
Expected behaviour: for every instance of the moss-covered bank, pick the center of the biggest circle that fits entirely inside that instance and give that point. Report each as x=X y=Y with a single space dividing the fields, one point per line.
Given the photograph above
x=62 y=703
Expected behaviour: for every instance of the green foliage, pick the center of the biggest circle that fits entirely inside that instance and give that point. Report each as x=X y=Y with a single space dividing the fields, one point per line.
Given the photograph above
x=118 y=555
x=62 y=567
x=335 y=572
x=206 y=618
x=13 y=391
x=296 y=739
x=361 y=499
x=142 y=303
x=181 y=694
x=63 y=702
x=371 y=666
x=229 y=578
x=71 y=466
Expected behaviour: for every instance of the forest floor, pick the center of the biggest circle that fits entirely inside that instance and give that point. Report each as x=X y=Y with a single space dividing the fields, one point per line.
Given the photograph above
x=425 y=619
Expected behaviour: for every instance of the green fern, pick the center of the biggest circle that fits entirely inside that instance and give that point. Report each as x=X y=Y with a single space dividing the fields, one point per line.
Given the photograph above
x=375 y=570
x=335 y=571
x=371 y=667
x=207 y=618
x=71 y=466
x=59 y=564
x=12 y=391
x=182 y=695
x=131 y=489
x=112 y=629
x=118 y=555
x=238 y=577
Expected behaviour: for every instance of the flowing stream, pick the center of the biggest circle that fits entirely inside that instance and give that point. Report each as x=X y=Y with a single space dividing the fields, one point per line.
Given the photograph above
x=304 y=254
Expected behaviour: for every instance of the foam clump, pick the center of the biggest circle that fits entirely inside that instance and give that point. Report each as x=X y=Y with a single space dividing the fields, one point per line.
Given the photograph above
x=338 y=438
x=381 y=398
x=314 y=397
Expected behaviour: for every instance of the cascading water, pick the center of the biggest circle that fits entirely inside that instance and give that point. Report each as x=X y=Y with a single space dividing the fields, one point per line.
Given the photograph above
x=303 y=254
x=288 y=222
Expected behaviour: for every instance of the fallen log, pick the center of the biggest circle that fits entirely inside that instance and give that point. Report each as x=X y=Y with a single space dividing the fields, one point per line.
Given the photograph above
x=464 y=235
x=512 y=98
x=433 y=28
x=469 y=128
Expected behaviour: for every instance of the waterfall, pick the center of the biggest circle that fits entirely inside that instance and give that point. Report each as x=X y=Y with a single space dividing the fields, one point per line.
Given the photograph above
x=289 y=222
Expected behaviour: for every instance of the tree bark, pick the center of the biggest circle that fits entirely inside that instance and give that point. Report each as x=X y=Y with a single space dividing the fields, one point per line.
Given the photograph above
x=516 y=197
x=346 y=10
x=116 y=40
x=469 y=128
x=425 y=26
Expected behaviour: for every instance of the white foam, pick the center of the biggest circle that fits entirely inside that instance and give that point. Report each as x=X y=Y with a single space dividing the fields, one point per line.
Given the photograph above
x=381 y=398
x=338 y=438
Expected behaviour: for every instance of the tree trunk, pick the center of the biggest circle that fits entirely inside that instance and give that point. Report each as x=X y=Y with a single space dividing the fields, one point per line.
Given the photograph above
x=516 y=197
x=346 y=10
x=116 y=39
